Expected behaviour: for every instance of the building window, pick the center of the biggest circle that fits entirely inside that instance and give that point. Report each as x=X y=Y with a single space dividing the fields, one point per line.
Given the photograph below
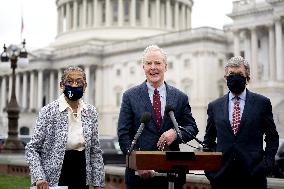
x=220 y=90
x=138 y=5
x=187 y=63
x=24 y=131
x=118 y=72
x=126 y=10
x=115 y=10
x=103 y=12
x=259 y=43
x=118 y=98
x=170 y=65
x=230 y=55
x=243 y=54
x=221 y=63
x=132 y=70
x=187 y=91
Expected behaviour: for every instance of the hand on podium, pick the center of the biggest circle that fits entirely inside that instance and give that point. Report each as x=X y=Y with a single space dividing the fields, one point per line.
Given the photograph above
x=146 y=174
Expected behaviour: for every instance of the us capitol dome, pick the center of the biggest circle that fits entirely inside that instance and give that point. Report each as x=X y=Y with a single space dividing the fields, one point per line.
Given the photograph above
x=118 y=20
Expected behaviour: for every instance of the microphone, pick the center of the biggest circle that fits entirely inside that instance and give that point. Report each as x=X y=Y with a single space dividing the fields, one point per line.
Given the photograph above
x=144 y=120
x=170 y=112
x=204 y=146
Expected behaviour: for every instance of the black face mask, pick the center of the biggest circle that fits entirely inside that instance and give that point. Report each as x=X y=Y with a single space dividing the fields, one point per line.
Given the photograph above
x=73 y=93
x=236 y=83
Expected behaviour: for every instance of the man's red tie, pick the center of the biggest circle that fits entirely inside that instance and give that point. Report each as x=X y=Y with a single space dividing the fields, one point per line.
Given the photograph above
x=157 y=107
x=236 y=120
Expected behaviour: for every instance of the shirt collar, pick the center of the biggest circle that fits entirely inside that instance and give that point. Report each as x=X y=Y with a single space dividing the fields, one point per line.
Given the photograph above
x=242 y=96
x=160 y=88
x=63 y=104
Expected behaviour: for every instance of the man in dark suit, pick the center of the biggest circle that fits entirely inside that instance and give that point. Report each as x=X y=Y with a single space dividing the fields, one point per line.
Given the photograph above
x=239 y=121
x=152 y=96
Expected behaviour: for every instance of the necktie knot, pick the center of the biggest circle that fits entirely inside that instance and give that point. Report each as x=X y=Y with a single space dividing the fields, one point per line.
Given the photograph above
x=156 y=91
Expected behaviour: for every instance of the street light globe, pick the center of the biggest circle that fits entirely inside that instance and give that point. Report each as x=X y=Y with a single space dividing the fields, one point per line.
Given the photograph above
x=5 y=67
x=23 y=62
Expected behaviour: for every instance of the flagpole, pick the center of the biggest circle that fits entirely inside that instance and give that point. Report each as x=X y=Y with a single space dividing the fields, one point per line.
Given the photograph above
x=22 y=21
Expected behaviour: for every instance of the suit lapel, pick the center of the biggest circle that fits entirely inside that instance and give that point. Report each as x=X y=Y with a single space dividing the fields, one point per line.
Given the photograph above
x=170 y=100
x=226 y=112
x=144 y=95
x=247 y=108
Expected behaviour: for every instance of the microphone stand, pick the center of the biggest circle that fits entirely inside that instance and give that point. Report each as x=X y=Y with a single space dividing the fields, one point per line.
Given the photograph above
x=204 y=146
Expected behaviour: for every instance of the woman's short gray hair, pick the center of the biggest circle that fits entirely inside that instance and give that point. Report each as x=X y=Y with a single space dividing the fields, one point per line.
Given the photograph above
x=71 y=69
x=237 y=61
x=154 y=48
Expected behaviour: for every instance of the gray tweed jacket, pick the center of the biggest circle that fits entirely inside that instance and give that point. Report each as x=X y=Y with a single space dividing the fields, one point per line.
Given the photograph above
x=45 y=152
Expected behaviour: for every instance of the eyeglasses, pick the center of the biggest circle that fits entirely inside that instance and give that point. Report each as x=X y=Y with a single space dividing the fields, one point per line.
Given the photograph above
x=78 y=82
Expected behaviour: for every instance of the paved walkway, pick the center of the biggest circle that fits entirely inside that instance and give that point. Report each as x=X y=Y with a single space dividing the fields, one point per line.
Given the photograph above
x=13 y=159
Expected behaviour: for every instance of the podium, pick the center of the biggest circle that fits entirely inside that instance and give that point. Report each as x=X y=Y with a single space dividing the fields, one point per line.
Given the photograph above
x=174 y=161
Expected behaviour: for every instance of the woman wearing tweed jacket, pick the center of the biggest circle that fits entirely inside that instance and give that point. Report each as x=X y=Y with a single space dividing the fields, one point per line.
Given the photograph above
x=64 y=149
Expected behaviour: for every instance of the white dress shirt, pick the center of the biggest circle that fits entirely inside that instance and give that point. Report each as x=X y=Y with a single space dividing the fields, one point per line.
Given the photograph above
x=242 y=99
x=75 y=138
x=162 y=92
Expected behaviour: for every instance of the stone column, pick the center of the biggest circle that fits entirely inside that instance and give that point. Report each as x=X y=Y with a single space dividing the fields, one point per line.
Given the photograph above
x=236 y=43
x=182 y=16
x=58 y=20
x=271 y=43
x=254 y=68
x=279 y=49
x=133 y=13
x=51 y=85
x=248 y=46
x=62 y=29
x=75 y=14
x=18 y=87
x=176 y=15
x=59 y=75
x=99 y=98
x=90 y=14
x=84 y=14
x=158 y=9
x=169 y=14
x=25 y=90
x=120 y=13
x=107 y=12
x=10 y=87
x=68 y=16
x=39 y=89
x=32 y=80
x=95 y=7
x=146 y=12
x=188 y=18
x=87 y=91
x=3 y=94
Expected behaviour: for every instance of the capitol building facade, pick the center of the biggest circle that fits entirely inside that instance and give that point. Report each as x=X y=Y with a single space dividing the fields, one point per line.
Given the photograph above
x=107 y=38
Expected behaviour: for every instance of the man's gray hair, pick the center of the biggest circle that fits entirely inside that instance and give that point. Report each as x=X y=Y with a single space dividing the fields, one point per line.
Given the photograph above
x=71 y=69
x=154 y=48
x=237 y=61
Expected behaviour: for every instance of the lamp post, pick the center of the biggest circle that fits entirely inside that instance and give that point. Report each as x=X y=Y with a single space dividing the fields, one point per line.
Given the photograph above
x=14 y=54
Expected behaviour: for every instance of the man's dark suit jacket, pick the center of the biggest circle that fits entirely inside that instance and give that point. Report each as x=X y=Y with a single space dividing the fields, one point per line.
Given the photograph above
x=135 y=102
x=243 y=153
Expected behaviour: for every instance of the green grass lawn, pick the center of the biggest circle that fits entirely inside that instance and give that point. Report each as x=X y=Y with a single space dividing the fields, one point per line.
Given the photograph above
x=14 y=182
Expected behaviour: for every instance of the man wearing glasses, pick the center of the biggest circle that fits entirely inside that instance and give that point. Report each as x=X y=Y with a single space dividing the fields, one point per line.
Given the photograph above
x=236 y=126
